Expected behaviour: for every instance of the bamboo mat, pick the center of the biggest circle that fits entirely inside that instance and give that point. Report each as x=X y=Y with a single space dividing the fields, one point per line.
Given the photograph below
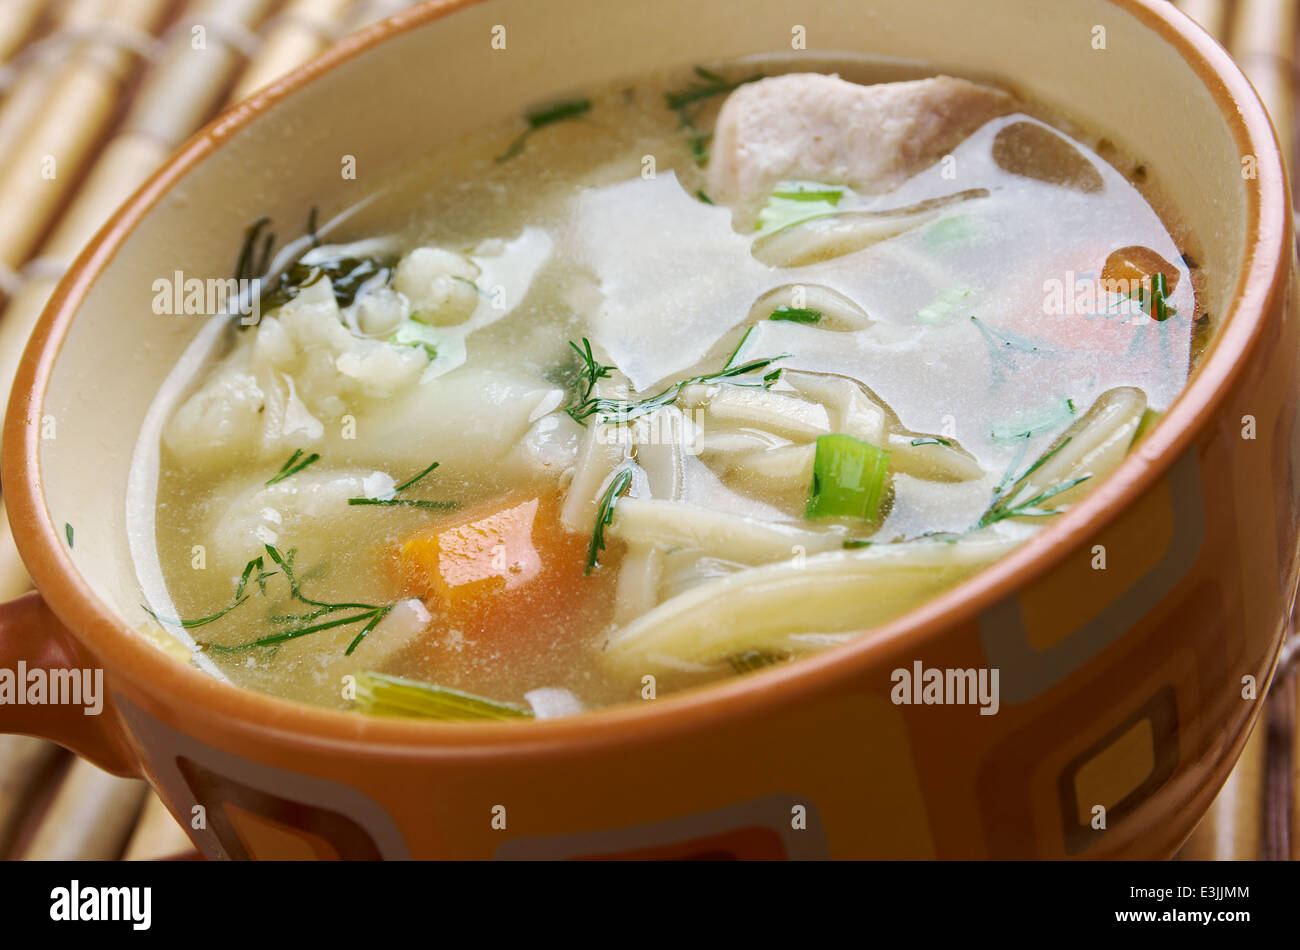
x=104 y=90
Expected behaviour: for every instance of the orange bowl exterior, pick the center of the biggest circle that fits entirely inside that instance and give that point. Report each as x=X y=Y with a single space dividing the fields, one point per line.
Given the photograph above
x=1127 y=691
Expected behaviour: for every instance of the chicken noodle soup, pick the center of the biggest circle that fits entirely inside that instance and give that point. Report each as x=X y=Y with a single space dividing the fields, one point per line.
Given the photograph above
x=678 y=379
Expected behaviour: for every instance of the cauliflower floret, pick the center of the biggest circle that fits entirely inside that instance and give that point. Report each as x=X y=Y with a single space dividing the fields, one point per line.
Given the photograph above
x=221 y=419
x=379 y=311
x=439 y=284
x=259 y=514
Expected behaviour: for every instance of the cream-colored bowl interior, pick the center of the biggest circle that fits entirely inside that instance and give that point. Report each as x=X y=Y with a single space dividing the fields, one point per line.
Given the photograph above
x=400 y=99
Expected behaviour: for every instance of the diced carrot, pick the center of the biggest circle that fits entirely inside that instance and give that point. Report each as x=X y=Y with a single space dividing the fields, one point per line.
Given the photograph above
x=506 y=573
x=460 y=564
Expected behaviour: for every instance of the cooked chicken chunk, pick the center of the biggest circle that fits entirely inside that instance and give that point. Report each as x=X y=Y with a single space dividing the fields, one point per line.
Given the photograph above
x=822 y=128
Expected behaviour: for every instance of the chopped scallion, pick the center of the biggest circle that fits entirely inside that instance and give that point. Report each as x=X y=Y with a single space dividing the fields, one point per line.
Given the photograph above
x=849 y=478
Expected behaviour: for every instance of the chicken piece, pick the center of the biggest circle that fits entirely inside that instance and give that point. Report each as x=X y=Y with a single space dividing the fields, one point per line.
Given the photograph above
x=807 y=126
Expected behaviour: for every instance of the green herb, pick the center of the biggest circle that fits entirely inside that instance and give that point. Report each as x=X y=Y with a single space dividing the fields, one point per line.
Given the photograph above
x=256 y=564
x=419 y=335
x=946 y=305
x=713 y=85
x=405 y=503
x=851 y=543
x=753 y=660
x=796 y=315
x=254 y=262
x=688 y=102
x=369 y=614
x=1160 y=310
x=699 y=193
x=849 y=478
x=1005 y=505
x=591 y=371
x=930 y=440
x=959 y=227
x=544 y=116
x=393 y=501
x=415 y=478
x=347 y=276
x=795 y=201
x=382 y=695
x=1000 y=343
x=1027 y=425
x=67 y=530
x=613 y=411
x=800 y=192
x=311 y=227
x=293 y=466
x=620 y=483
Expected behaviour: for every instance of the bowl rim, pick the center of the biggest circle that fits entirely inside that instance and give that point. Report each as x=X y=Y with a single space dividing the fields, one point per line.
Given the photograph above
x=261 y=717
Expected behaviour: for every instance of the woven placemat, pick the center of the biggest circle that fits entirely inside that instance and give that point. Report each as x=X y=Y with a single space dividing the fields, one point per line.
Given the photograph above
x=97 y=94
x=106 y=89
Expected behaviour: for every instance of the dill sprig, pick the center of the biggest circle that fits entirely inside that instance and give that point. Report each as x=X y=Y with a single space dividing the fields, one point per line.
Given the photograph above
x=370 y=614
x=688 y=102
x=293 y=466
x=256 y=564
x=591 y=371
x=1006 y=492
x=614 y=411
x=544 y=116
x=394 y=502
x=254 y=261
x=620 y=483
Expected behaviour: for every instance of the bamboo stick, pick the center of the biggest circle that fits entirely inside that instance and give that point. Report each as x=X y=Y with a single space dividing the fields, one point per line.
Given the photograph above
x=16 y=25
x=1210 y=14
x=157 y=834
x=32 y=73
x=90 y=818
x=1230 y=830
x=42 y=166
x=1263 y=43
x=23 y=762
x=186 y=86
x=1280 y=786
x=368 y=11
x=299 y=32
x=179 y=93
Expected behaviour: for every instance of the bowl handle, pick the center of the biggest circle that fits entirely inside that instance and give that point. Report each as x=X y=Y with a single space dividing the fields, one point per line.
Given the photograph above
x=33 y=644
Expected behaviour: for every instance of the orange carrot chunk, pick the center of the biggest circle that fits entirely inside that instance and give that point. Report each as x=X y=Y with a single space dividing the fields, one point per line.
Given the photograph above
x=509 y=568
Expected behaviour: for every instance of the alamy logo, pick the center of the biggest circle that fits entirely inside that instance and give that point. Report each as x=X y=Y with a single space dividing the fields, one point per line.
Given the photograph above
x=42 y=687
x=74 y=902
x=922 y=686
x=193 y=296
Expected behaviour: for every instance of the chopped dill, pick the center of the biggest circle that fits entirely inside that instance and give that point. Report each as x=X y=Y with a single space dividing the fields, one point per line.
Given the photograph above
x=392 y=501
x=688 y=102
x=293 y=466
x=1005 y=505
x=618 y=484
x=796 y=315
x=614 y=411
x=540 y=118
